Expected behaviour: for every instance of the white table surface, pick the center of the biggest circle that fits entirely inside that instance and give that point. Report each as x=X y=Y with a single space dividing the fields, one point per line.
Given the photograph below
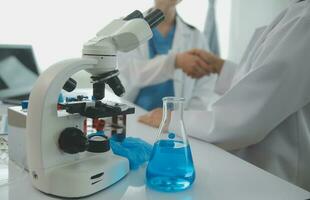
x=219 y=176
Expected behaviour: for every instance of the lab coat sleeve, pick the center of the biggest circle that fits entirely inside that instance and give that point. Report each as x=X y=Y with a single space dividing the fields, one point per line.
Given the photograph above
x=203 y=93
x=136 y=73
x=261 y=100
x=226 y=77
x=229 y=69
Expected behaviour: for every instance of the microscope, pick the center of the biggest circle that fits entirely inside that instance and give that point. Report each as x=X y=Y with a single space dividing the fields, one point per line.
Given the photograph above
x=62 y=160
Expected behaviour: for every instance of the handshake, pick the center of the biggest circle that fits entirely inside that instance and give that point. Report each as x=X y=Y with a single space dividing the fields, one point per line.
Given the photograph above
x=197 y=63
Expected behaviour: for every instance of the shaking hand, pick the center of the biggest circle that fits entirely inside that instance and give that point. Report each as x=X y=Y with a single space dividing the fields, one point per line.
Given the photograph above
x=214 y=63
x=192 y=65
x=197 y=63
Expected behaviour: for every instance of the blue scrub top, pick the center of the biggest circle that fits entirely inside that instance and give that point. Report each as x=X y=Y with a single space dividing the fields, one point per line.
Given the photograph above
x=150 y=97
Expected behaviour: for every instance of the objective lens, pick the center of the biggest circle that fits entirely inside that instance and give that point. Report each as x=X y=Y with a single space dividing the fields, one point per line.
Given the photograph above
x=98 y=90
x=116 y=85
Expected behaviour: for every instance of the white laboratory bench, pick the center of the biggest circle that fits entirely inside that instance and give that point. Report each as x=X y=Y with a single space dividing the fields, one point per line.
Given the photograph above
x=219 y=175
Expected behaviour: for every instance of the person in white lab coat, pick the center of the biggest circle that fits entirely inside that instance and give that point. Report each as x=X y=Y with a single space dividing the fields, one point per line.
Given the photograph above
x=264 y=111
x=154 y=70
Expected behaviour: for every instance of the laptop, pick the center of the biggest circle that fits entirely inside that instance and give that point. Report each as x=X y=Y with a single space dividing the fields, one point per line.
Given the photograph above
x=18 y=72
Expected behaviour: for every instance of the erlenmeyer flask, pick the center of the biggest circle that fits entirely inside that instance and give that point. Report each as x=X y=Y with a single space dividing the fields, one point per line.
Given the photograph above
x=171 y=165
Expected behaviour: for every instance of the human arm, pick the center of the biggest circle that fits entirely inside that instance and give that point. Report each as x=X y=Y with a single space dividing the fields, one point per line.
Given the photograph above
x=227 y=69
x=203 y=94
x=216 y=65
x=137 y=72
x=208 y=88
x=263 y=98
x=277 y=87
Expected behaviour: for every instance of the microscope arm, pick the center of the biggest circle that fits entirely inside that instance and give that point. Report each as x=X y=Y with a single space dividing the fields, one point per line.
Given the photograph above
x=120 y=35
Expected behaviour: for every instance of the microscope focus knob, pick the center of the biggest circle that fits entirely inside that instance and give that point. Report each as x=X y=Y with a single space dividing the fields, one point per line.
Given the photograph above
x=72 y=140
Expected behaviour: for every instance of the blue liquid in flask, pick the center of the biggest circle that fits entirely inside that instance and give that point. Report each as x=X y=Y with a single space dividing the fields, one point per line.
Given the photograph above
x=170 y=168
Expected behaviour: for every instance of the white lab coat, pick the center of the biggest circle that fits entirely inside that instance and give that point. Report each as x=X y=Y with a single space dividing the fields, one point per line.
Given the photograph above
x=138 y=71
x=264 y=110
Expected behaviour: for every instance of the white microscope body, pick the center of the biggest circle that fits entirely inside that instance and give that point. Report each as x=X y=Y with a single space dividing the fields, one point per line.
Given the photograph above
x=54 y=168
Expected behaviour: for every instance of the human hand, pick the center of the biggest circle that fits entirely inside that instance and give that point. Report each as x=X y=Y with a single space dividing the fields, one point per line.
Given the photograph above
x=135 y=150
x=153 y=118
x=214 y=63
x=192 y=65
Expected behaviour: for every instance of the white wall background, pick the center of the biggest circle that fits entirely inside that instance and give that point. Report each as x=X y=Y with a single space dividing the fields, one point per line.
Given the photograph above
x=57 y=29
x=223 y=16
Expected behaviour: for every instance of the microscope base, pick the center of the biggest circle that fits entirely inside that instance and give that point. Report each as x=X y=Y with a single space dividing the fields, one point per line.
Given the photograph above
x=84 y=177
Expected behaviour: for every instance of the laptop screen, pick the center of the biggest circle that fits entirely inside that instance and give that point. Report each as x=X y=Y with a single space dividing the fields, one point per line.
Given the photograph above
x=18 y=70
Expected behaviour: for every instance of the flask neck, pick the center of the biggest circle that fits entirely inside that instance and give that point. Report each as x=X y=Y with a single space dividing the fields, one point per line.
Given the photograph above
x=172 y=127
x=173 y=110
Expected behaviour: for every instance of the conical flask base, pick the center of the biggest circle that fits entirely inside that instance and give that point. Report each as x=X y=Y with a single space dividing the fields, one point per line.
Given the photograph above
x=171 y=167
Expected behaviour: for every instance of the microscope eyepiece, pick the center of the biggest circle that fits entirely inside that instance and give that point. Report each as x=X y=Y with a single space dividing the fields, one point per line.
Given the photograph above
x=154 y=18
x=135 y=14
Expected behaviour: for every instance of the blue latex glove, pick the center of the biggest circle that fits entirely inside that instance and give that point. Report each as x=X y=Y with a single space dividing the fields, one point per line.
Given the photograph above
x=135 y=150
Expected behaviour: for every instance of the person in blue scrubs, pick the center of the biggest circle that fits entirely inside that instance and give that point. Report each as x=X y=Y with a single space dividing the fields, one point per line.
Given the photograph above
x=150 y=97
x=167 y=66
